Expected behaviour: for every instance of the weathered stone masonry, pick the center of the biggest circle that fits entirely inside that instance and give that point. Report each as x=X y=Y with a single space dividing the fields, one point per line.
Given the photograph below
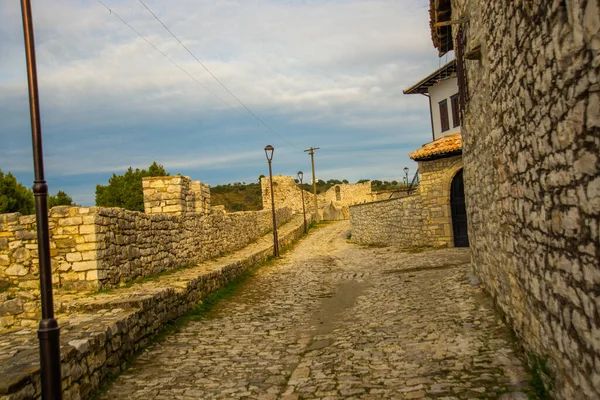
x=422 y=219
x=96 y=247
x=100 y=332
x=332 y=204
x=531 y=146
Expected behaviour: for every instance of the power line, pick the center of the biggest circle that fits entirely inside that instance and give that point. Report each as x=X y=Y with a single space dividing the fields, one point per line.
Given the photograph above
x=217 y=79
x=170 y=59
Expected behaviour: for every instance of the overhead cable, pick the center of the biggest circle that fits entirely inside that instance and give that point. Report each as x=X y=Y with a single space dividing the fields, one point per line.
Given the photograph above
x=216 y=79
x=170 y=59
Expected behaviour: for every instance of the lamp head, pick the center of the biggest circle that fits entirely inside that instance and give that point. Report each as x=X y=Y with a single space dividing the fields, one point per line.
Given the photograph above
x=269 y=152
x=406 y=170
x=300 y=175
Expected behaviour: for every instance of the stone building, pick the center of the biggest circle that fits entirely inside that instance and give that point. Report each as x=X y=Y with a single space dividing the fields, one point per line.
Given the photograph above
x=332 y=204
x=425 y=218
x=530 y=100
x=441 y=89
x=435 y=215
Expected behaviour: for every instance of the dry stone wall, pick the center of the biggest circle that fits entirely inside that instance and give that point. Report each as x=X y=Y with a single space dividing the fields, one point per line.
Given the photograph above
x=335 y=202
x=531 y=145
x=423 y=219
x=72 y=246
x=97 y=248
x=133 y=245
x=175 y=195
x=104 y=333
x=332 y=204
x=287 y=193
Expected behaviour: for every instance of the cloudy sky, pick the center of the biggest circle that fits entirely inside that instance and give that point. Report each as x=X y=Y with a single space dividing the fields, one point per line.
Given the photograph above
x=319 y=73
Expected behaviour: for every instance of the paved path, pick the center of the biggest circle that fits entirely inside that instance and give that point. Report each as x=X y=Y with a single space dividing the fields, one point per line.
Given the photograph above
x=336 y=320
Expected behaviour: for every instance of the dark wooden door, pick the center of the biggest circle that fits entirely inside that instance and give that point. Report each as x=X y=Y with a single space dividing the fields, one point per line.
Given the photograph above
x=459 y=211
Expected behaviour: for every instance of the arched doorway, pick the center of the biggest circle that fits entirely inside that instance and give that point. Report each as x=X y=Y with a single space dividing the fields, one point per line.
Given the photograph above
x=459 y=211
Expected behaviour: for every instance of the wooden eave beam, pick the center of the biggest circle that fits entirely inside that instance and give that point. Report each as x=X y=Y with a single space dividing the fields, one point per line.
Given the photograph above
x=451 y=22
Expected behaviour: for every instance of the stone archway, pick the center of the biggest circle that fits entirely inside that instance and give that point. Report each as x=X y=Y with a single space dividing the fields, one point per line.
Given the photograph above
x=458 y=210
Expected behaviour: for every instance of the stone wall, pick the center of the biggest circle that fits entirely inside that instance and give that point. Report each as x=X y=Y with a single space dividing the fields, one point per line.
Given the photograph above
x=393 y=194
x=72 y=245
x=96 y=248
x=133 y=245
x=175 y=195
x=287 y=193
x=421 y=219
x=332 y=204
x=335 y=202
x=531 y=146
x=103 y=334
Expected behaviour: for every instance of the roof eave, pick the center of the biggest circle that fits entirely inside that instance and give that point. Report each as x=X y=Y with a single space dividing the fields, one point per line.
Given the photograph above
x=441 y=36
x=424 y=84
x=438 y=156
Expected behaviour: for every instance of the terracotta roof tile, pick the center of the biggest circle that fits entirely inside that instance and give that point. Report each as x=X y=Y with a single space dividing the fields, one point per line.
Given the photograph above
x=446 y=145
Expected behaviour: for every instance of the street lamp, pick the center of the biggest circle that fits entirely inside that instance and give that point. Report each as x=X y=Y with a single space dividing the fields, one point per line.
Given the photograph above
x=300 y=176
x=49 y=331
x=269 y=153
x=406 y=177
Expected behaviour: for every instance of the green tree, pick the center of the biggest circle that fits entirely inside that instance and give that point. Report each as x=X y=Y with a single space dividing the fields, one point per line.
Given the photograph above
x=14 y=197
x=61 y=199
x=125 y=190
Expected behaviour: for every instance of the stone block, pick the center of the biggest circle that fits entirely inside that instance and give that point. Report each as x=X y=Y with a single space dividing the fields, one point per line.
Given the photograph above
x=21 y=255
x=64 y=242
x=84 y=265
x=85 y=246
x=70 y=221
x=4 y=260
x=25 y=235
x=16 y=270
x=72 y=257
x=85 y=229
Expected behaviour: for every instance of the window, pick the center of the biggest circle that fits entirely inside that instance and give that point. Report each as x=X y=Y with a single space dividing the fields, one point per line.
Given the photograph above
x=444 y=115
x=338 y=193
x=455 y=111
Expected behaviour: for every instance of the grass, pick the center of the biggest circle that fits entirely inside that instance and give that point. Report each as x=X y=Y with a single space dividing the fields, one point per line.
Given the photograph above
x=542 y=378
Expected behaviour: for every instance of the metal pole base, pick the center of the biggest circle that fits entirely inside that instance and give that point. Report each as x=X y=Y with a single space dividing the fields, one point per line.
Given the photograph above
x=49 y=336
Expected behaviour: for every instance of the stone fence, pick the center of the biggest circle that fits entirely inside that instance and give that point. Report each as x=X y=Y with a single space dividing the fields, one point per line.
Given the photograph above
x=287 y=193
x=93 y=248
x=422 y=219
x=333 y=204
x=101 y=332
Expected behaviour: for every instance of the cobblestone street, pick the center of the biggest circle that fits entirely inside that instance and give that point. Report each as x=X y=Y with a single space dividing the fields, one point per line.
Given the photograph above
x=335 y=320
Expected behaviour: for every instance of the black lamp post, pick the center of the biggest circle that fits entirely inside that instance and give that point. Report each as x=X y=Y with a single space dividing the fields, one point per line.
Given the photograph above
x=300 y=176
x=49 y=331
x=269 y=153
x=406 y=177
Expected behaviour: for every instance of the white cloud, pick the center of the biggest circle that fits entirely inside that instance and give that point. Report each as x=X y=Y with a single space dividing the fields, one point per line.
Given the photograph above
x=327 y=73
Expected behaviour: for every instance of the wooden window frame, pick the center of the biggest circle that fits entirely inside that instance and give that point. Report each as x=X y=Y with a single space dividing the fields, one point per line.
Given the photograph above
x=455 y=105
x=444 y=117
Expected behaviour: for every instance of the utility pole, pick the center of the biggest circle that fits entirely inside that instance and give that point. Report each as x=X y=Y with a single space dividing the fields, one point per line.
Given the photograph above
x=311 y=151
